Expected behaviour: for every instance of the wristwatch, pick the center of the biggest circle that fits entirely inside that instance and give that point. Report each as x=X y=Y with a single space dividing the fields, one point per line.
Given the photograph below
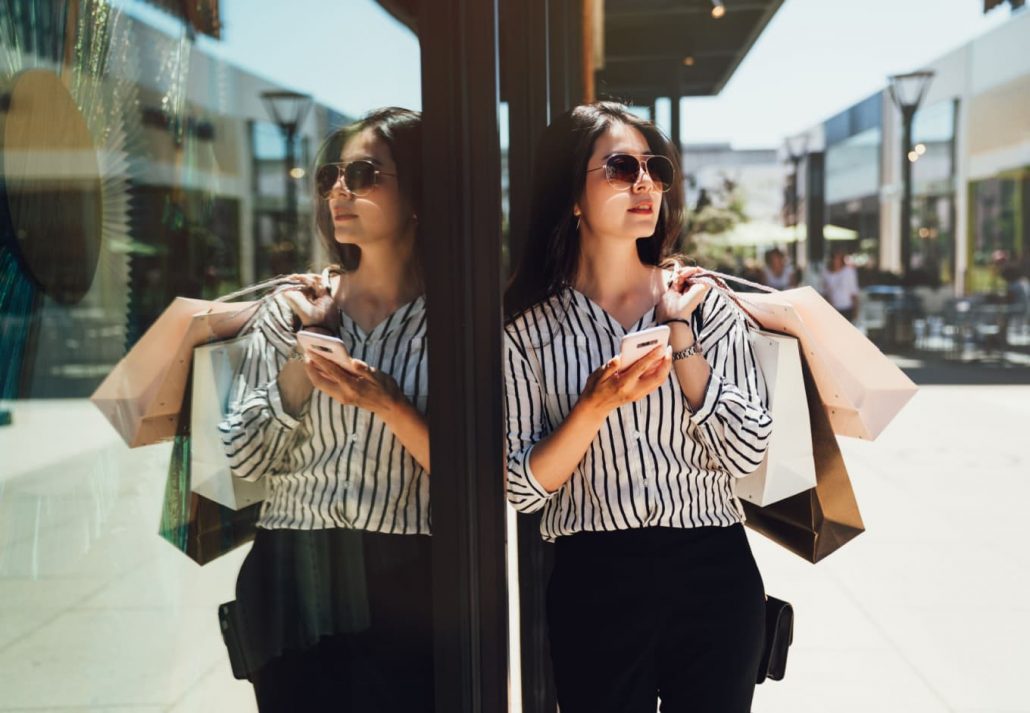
x=690 y=351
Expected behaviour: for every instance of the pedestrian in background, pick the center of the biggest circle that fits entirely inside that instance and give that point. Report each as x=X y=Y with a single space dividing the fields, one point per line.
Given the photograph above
x=778 y=273
x=840 y=285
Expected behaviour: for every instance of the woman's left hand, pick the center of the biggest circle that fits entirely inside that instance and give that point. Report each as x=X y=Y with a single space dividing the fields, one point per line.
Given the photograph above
x=362 y=386
x=682 y=297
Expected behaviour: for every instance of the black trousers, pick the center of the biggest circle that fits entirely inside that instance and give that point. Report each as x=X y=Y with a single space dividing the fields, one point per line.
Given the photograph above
x=386 y=667
x=636 y=615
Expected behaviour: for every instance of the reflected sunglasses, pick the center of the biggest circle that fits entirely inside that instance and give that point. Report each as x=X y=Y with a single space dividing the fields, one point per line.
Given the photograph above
x=359 y=177
x=622 y=170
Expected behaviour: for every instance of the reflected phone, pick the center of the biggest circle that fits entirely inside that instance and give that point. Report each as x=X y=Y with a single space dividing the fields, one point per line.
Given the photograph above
x=636 y=345
x=332 y=348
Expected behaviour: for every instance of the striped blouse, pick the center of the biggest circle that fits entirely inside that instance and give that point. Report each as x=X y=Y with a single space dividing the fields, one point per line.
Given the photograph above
x=332 y=465
x=654 y=463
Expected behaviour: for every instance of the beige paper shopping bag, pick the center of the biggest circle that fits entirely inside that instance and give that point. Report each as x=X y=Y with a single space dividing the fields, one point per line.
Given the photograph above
x=860 y=388
x=142 y=395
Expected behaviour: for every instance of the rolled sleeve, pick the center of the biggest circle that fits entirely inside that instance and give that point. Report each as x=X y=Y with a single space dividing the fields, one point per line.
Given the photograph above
x=734 y=417
x=257 y=431
x=526 y=425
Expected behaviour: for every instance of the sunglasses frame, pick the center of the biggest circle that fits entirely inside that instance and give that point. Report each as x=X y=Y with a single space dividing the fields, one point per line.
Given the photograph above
x=641 y=160
x=341 y=168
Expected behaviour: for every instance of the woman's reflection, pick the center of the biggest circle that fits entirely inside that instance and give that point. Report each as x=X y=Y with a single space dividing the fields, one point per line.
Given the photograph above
x=334 y=598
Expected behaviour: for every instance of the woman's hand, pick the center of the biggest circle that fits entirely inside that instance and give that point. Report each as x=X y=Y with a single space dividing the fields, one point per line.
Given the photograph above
x=311 y=302
x=682 y=297
x=362 y=386
x=608 y=387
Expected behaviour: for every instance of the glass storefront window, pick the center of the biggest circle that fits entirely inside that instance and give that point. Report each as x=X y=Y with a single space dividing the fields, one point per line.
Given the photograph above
x=999 y=248
x=140 y=164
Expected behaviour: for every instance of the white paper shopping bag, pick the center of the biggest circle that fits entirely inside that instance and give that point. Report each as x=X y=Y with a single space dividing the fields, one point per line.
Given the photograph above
x=213 y=368
x=789 y=465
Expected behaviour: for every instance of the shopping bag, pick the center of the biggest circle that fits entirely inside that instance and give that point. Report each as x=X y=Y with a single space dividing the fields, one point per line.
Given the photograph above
x=789 y=464
x=214 y=366
x=861 y=389
x=817 y=522
x=200 y=528
x=142 y=394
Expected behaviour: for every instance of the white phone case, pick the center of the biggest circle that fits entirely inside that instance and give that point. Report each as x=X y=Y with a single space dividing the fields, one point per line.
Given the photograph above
x=331 y=348
x=636 y=345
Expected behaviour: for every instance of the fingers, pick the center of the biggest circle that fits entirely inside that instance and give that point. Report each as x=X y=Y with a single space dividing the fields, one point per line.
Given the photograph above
x=695 y=295
x=309 y=284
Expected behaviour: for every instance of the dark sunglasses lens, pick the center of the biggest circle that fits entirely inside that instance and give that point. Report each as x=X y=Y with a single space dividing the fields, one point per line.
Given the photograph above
x=359 y=176
x=623 y=169
x=325 y=179
x=661 y=171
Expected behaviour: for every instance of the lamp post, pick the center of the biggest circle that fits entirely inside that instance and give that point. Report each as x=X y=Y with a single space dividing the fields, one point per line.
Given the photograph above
x=288 y=110
x=907 y=92
x=797 y=148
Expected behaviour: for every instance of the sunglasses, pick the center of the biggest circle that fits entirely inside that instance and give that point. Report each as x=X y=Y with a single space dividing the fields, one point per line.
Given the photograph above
x=623 y=170
x=359 y=177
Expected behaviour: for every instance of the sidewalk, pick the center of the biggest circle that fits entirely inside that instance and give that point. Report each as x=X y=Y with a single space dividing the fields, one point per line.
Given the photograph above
x=927 y=610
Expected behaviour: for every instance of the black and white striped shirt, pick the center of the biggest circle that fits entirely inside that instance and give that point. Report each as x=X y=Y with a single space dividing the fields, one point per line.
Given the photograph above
x=333 y=465
x=654 y=463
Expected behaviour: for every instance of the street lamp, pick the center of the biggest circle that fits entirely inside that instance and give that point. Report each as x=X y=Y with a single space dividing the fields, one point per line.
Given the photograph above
x=797 y=149
x=288 y=110
x=907 y=92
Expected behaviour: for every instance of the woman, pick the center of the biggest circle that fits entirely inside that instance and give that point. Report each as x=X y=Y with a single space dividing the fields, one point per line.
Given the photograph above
x=334 y=595
x=840 y=285
x=654 y=592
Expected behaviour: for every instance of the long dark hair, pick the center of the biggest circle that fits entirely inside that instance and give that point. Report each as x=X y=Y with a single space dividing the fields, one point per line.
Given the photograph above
x=551 y=253
x=401 y=131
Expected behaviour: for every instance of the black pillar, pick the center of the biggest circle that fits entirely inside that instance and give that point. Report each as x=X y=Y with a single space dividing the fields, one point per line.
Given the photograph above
x=906 y=198
x=815 y=205
x=674 y=128
x=461 y=222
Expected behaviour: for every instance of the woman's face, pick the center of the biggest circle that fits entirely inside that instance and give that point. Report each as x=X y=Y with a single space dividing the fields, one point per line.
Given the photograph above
x=611 y=213
x=379 y=215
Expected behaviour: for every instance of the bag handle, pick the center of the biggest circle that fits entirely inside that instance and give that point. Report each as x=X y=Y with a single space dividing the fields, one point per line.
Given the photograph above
x=719 y=280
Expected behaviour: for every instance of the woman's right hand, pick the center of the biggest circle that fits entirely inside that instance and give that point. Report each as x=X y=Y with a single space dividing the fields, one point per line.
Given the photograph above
x=311 y=301
x=608 y=387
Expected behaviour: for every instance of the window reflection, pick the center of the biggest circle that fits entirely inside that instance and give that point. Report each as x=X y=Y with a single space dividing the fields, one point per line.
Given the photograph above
x=141 y=166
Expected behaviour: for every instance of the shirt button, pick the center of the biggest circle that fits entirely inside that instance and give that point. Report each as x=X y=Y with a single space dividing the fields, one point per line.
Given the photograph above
x=352 y=437
x=638 y=435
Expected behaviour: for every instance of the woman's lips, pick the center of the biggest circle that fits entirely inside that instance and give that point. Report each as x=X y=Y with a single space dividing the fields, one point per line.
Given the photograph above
x=343 y=216
x=642 y=210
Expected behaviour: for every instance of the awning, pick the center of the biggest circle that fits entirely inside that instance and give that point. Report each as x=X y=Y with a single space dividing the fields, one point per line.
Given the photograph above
x=663 y=48
x=757 y=233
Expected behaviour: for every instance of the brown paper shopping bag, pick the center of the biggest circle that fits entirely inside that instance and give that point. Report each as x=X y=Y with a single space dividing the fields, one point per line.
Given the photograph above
x=200 y=528
x=819 y=521
x=861 y=389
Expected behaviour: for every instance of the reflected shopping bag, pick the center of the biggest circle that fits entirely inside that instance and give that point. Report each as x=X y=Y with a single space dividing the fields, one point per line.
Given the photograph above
x=789 y=464
x=201 y=528
x=142 y=394
x=819 y=521
x=214 y=366
x=861 y=389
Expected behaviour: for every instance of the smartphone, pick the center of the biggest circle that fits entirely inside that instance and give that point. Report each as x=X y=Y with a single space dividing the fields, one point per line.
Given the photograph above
x=331 y=348
x=636 y=345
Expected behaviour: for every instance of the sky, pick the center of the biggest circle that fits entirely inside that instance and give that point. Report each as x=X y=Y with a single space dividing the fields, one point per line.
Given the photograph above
x=815 y=58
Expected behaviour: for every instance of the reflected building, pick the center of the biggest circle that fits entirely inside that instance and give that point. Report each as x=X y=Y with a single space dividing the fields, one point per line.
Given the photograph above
x=188 y=193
